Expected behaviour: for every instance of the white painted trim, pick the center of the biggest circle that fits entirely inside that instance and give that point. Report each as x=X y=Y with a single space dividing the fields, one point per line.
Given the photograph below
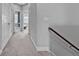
x=42 y=48
x=39 y=48
x=34 y=43
x=52 y=54
x=5 y=43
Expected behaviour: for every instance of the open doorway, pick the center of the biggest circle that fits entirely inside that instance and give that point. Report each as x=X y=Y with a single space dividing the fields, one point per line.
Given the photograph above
x=21 y=17
x=17 y=21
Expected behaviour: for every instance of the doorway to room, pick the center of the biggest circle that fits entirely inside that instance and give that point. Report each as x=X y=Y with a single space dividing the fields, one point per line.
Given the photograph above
x=21 y=18
x=16 y=21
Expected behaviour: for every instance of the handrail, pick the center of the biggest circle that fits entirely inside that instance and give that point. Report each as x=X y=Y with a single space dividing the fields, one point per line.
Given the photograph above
x=63 y=38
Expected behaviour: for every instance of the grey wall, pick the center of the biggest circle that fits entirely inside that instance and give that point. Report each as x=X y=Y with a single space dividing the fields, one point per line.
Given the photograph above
x=59 y=13
x=16 y=7
x=33 y=22
x=63 y=17
x=0 y=24
x=7 y=23
x=26 y=9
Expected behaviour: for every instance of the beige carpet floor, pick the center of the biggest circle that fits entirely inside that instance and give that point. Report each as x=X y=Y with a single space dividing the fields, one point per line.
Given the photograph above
x=21 y=45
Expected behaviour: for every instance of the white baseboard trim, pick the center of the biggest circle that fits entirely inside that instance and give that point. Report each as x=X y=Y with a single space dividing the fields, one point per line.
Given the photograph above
x=52 y=54
x=42 y=49
x=5 y=44
x=34 y=43
x=39 y=48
